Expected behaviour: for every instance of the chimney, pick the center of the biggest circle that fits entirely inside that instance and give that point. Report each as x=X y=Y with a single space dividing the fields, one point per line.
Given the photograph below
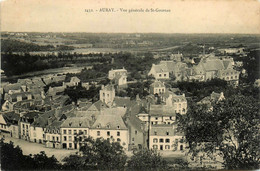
x=183 y=94
x=102 y=86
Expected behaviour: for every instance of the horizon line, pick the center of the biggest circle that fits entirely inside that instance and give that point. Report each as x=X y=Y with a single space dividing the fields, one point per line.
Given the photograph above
x=126 y=32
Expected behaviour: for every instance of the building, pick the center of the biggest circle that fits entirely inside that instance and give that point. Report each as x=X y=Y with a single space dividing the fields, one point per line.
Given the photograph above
x=178 y=102
x=167 y=68
x=166 y=138
x=110 y=127
x=212 y=99
x=107 y=94
x=137 y=128
x=118 y=76
x=53 y=135
x=73 y=131
x=37 y=128
x=25 y=123
x=12 y=99
x=74 y=81
x=9 y=123
x=157 y=87
x=112 y=74
x=213 y=67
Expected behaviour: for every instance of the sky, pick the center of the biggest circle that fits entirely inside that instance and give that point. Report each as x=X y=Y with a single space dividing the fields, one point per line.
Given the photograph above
x=185 y=16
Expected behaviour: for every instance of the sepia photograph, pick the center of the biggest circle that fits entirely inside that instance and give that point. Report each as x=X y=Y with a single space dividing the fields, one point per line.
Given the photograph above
x=130 y=85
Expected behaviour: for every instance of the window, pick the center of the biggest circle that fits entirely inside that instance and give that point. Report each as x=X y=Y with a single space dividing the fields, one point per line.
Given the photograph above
x=23 y=125
x=155 y=133
x=48 y=137
x=161 y=140
x=98 y=133
x=118 y=127
x=181 y=147
x=167 y=140
x=160 y=75
x=65 y=138
x=167 y=147
x=70 y=145
x=85 y=132
x=57 y=138
x=156 y=118
x=26 y=126
x=53 y=138
x=103 y=94
x=108 y=133
x=179 y=105
x=133 y=139
x=75 y=131
x=69 y=131
x=155 y=140
x=167 y=133
x=118 y=133
x=70 y=139
x=155 y=146
x=135 y=132
x=118 y=140
x=165 y=75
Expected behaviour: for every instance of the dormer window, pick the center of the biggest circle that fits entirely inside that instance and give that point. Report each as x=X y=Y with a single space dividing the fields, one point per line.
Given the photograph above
x=108 y=126
x=70 y=123
x=118 y=127
x=167 y=132
x=155 y=133
x=80 y=123
x=98 y=126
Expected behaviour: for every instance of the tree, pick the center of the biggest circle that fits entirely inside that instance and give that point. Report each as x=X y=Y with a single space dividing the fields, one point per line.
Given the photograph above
x=12 y=158
x=146 y=159
x=230 y=130
x=97 y=154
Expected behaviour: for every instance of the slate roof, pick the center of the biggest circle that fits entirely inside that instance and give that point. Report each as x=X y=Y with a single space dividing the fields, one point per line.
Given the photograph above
x=11 y=118
x=161 y=110
x=54 y=126
x=161 y=130
x=111 y=122
x=42 y=120
x=76 y=122
x=118 y=111
x=122 y=102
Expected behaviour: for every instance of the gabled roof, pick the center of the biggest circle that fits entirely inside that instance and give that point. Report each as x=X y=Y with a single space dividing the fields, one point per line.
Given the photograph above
x=108 y=87
x=11 y=118
x=111 y=122
x=76 y=122
x=157 y=84
x=74 y=79
x=97 y=106
x=15 y=86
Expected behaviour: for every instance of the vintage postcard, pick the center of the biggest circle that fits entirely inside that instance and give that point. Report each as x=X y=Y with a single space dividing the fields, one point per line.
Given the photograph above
x=129 y=85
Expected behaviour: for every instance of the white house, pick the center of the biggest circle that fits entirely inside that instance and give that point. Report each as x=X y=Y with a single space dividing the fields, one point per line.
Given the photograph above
x=110 y=127
x=73 y=130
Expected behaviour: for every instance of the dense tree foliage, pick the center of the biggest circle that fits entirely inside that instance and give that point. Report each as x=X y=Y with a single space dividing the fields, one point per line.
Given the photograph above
x=77 y=92
x=146 y=159
x=251 y=63
x=230 y=130
x=99 y=154
x=12 y=158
